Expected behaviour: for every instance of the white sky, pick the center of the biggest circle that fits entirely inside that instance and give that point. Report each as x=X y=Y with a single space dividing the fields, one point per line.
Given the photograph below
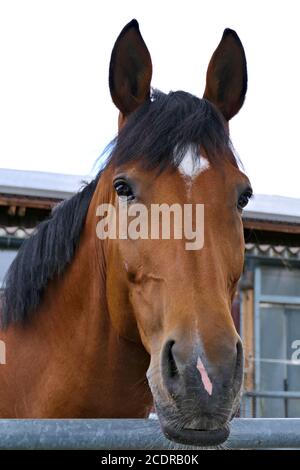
x=55 y=109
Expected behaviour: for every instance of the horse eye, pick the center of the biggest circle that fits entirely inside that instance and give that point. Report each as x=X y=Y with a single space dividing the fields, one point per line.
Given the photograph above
x=123 y=189
x=244 y=199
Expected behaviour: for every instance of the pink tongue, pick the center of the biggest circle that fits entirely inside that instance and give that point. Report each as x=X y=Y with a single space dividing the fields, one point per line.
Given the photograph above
x=204 y=377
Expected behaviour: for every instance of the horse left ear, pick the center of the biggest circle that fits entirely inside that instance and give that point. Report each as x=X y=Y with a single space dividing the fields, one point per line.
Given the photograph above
x=130 y=70
x=226 y=79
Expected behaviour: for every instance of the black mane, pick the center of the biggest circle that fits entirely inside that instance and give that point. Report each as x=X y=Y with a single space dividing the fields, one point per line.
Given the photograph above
x=44 y=256
x=158 y=135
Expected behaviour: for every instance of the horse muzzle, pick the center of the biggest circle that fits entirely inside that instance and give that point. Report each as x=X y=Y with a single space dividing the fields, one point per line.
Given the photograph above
x=194 y=398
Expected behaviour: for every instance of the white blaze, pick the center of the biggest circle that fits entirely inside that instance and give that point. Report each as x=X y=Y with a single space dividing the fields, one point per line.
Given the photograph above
x=191 y=167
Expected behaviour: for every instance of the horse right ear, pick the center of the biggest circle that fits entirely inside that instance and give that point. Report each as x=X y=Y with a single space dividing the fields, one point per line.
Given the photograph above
x=130 y=70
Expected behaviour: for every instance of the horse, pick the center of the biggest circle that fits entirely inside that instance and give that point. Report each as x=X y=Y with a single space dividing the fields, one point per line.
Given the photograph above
x=112 y=326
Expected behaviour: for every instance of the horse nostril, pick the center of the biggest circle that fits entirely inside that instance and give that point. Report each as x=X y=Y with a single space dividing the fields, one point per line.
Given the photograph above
x=171 y=364
x=239 y=361
x=169 y=368
x=239 y=353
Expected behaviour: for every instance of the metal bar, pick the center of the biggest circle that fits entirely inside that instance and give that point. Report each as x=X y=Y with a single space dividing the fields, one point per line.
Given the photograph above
x=280 y=299
x=257 y=295
x=290 y=362
x=278 y=261
x=272 y=394
x=105 y=434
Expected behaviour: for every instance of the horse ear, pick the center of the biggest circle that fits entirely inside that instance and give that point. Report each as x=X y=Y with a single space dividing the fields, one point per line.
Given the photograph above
x=226 y=79
x=130 y=70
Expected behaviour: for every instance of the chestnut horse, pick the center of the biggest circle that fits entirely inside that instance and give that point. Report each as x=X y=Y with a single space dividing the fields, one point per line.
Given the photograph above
x=104 y=328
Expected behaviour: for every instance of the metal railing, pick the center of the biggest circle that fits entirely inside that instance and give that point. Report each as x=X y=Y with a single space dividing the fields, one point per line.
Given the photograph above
x=135 y=434
x=273 y=394
x=253 y=397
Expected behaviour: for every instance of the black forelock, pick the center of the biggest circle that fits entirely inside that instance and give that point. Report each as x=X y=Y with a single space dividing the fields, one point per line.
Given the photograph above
x=160 y=131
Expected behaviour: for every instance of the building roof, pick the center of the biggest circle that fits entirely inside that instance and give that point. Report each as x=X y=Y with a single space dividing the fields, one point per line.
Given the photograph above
x=273 y=208
x=262 y=207
x=39 y=184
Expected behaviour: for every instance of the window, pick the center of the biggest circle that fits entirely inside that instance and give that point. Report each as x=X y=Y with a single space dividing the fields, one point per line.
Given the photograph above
x=277 y=327
x=6 y=258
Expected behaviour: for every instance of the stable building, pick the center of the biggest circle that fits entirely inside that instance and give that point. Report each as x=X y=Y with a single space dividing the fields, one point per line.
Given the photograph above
x=270 y=307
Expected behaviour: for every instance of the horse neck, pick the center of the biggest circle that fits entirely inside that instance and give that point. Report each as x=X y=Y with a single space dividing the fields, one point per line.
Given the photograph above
x=77 y=307
x=68 y=358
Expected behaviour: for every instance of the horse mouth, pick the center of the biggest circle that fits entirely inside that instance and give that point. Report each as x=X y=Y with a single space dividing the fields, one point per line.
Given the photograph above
x=197 y=437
